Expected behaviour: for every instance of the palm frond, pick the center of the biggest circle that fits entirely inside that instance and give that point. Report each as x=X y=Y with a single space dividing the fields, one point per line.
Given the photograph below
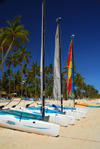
x=16 y=18
x=7 y=30
x=7 y=41
x=10 y=24
x=16 y=44
x=17 y=23
x=20 y=35
x=26 y=59
x=26 y=32
x=22 y=39
x=18 y=28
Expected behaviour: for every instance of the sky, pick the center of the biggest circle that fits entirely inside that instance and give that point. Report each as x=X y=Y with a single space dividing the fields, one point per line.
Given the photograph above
x=79 y=17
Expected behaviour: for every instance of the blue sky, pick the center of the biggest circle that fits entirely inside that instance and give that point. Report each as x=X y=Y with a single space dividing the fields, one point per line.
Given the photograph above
x=79 y=17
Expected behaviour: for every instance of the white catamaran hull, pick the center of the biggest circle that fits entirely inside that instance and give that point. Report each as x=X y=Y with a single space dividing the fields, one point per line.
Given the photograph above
x=71 y=119
x=82 y=109
x=33 y=126
x=53 y=118
x=76 y=114
x=83 y=113
x=58 y=119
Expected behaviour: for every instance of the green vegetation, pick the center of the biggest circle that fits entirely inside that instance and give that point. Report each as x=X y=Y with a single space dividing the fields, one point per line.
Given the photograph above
x=26 y=80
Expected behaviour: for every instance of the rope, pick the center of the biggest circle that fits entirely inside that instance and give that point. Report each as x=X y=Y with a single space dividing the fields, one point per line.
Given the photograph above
x=5 y=105
x=16 y=104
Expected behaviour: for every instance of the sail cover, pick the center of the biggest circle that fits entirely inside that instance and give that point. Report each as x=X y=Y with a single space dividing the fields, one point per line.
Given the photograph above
x=69 y=79
x=57 y=65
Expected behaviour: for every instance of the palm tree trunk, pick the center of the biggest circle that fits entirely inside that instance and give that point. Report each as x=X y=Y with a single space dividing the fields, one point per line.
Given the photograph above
x=6 y=54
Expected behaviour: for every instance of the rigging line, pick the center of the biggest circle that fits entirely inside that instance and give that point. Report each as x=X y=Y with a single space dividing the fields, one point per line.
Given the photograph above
x=80 y=139
x=5 y=105
x=31 y=103
x=16 y=104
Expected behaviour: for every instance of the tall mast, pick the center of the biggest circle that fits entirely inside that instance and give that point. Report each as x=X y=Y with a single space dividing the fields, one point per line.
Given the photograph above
x=73 y=96
x=58 y=20
x=42 y=58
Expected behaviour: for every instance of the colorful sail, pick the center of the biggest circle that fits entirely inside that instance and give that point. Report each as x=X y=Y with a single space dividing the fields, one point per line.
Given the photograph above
x=69 y=80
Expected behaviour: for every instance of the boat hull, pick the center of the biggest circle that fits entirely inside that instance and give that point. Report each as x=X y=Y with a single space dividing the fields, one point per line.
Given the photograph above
x=33 y=126
x=92 y=106
x=82 y=112
x=88 y=104
x=77 y=115
x=53 y=118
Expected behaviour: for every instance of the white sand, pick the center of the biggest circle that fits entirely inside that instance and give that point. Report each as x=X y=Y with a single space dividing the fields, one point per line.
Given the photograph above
x=84 y=134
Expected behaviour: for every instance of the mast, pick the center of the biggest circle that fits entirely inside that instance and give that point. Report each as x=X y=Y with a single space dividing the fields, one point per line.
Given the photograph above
x=73 y=96
x=42 y=58
x=60 y=96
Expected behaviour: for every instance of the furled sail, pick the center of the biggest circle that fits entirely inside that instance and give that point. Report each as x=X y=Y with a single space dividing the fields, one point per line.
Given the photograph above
x=57 y=66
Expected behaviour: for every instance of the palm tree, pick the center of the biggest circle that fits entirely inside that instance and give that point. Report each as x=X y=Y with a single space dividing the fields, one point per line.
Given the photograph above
x=13 y=35
x=3 y=50
x=46 y=73
x=5 y=81
x=12 y=60
x=35 y=70
x=9 y=73
x=92 y=90
x=22 y=55
x=78 y=80
x=84 y=88
x=63 y=81
x=30 y=80
x=88 y=90
x=51 y=69
x=25 y=71
x=18 y=80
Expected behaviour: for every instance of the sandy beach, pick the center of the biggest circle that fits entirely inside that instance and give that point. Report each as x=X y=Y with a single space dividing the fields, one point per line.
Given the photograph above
x=84 y=134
